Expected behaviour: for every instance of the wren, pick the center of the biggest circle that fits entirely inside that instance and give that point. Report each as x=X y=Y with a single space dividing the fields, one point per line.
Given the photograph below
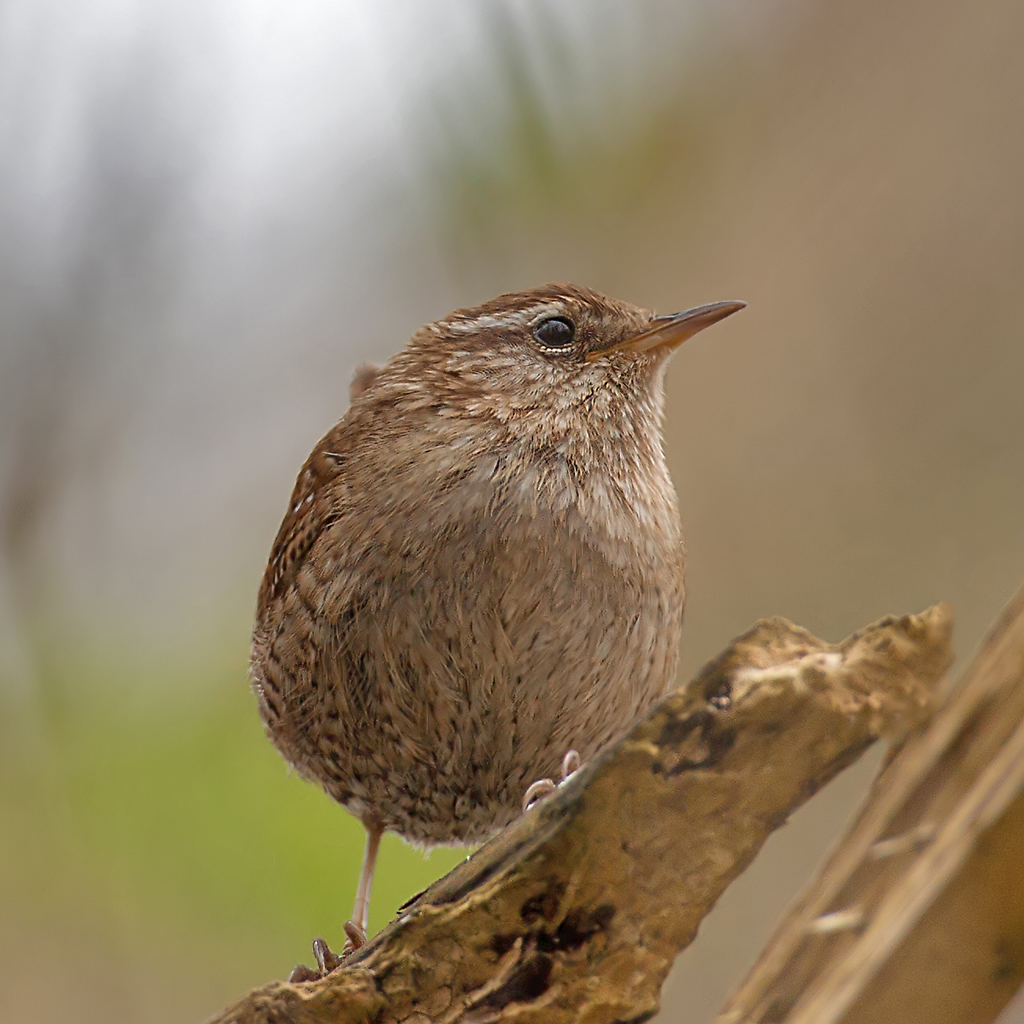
x=481 y=566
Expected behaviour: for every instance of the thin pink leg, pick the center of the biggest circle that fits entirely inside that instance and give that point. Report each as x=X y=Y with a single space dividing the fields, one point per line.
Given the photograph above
x=361 y=910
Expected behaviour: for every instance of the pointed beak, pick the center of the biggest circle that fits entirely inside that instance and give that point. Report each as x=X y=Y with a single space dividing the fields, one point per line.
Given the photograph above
x=666 y=332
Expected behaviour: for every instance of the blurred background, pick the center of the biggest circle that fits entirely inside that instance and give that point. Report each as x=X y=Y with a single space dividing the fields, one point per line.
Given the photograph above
x=212 y=211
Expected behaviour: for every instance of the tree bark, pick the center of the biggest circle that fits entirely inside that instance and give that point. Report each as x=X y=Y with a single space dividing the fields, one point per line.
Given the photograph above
x=918 y=916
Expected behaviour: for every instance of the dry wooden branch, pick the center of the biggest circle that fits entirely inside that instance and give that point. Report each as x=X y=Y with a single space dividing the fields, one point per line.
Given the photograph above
x=918 y=916
x=577 y=911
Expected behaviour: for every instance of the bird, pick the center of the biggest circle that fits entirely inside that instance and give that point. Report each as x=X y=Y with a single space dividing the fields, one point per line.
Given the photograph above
x=481 y=566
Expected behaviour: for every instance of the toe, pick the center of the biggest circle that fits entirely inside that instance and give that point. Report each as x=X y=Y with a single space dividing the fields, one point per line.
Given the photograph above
x=355 y=937
x=537 y=790
x=302 y=974
x=326 y=960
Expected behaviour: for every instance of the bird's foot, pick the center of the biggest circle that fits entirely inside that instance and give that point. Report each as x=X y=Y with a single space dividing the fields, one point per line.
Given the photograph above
x=570 y=764
x=536 y=790
x=355 y=936
x=326 y=960
x=302 y=974
x=542 y=787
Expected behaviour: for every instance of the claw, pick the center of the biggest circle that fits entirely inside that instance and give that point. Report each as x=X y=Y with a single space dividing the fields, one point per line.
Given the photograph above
x=541 y=788
x=537 y=790
x=355 y=937
x=301 y=974
x=325 y=959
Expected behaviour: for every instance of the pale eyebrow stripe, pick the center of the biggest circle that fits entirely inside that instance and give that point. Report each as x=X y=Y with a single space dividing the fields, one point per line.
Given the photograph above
x=520 y=318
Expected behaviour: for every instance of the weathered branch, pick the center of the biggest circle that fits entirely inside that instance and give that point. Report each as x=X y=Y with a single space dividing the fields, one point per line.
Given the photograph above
x=577 y=911
x=918 y=916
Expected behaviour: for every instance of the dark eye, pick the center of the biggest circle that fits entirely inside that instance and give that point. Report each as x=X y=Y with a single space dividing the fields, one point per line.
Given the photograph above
x=556 y=332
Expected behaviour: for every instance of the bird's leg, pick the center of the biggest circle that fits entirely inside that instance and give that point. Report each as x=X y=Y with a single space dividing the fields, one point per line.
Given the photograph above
x=356 y=928
x=541 y=788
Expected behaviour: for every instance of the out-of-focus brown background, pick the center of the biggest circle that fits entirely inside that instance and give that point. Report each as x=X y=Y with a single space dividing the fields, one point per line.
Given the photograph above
x=211 y=212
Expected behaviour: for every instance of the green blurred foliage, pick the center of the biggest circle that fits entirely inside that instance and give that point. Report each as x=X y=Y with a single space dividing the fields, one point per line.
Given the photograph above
x=173 y=827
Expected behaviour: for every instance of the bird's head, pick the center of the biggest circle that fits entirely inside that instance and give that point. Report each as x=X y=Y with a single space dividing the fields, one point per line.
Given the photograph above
x=543 y=361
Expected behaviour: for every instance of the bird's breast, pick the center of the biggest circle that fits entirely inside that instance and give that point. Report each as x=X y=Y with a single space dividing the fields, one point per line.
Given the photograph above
x=475 y=630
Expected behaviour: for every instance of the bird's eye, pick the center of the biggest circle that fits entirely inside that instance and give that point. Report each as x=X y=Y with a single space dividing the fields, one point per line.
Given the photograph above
x=556 y=332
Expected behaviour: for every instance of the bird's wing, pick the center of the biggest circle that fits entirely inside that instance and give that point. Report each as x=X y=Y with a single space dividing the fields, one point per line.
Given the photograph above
x=315 y=505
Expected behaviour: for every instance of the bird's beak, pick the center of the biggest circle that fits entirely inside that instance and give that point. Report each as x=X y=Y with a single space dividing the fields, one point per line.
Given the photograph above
x=666 y=332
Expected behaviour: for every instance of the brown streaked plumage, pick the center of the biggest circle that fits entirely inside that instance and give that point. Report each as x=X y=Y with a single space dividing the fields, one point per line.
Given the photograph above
x=481 y=565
